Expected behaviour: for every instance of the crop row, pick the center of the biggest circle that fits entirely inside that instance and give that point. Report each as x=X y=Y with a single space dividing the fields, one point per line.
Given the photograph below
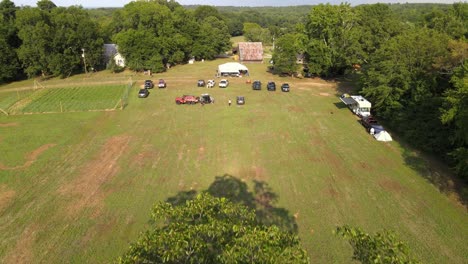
x=73 y=99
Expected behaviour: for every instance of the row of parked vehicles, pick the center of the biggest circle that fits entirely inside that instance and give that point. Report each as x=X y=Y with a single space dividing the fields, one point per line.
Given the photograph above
x=143 y=93
x=271 y=86
x=223 y=83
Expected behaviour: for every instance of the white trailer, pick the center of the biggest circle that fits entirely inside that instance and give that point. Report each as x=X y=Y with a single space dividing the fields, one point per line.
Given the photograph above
x=358 y=104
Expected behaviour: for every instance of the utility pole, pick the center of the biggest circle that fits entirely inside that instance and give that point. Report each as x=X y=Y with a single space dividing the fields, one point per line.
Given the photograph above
x=84 y=61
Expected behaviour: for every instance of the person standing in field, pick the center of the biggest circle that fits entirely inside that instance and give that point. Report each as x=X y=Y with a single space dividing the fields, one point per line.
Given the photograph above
x=372 y=131
x=229 y=102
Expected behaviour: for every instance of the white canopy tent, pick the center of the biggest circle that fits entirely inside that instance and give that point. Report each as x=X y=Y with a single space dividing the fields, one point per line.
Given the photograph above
x=383 y=136
x=232 y=68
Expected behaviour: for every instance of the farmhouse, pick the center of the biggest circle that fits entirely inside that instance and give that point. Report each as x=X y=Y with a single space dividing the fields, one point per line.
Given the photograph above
x=111 y=52
x=250 y=51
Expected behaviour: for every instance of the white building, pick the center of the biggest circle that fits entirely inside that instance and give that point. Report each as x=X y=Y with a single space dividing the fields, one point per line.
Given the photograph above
x=111 y=52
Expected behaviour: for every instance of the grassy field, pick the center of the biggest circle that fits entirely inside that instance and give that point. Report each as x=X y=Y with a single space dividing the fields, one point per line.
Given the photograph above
x=69 y=99
x=78 y=187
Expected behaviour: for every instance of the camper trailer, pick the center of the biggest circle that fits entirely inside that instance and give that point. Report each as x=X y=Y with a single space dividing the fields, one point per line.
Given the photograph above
x=358 y=104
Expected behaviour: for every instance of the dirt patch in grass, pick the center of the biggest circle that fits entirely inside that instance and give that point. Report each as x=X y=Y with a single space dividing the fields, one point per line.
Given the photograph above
x=253 y=173
x=6 y=196
x=87 y=189
x=8 y=124
x=142 y=158
x=391 y=185
x=30 y=158
x=324 y=94
x=295 y=109
x=22 y=251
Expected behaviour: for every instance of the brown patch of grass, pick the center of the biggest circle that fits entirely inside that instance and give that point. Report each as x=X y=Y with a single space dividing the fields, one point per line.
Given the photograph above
x=8 y=124
x=142 y=158
x=30 y=158
x=295 y=109
x=254 y=172
x=6 y=196
x=86 y=189
x=391 y=185
x=22 y=251
x=324 y=94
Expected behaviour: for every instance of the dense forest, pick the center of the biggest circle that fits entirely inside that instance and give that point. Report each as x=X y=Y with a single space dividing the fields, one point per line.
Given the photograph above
x=409 y=59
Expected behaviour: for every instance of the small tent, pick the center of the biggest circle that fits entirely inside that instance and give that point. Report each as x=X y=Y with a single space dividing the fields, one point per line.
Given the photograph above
x=383 y=136
x=232 y=68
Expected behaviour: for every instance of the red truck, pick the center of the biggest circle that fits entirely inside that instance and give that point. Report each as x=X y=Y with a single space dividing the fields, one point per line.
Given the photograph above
x=187 y=99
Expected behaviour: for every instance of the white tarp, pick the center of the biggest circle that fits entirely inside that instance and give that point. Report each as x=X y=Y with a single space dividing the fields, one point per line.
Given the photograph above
x=383 y=136
x=231 y=67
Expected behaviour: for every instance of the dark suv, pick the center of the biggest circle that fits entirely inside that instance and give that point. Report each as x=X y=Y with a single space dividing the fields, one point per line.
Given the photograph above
x=257 y=85
x=271 y=86
x=149 y=84
x=369 y=122
x=285 y=87
x=240 y=100
x=143 y=93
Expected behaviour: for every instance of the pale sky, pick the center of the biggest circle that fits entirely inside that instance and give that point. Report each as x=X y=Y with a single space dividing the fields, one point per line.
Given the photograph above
x=121 y=3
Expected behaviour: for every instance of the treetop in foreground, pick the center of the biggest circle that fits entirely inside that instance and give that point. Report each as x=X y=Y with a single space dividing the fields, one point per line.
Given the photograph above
x=212 y=230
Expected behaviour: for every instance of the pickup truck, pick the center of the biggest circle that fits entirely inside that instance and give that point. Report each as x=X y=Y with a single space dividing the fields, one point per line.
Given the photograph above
x=187 y=99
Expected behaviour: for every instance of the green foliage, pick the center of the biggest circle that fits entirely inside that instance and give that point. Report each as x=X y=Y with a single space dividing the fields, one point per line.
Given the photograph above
x=400 y=72
x=287 y=48
x=151 y=35
x=334 y=39
x=456 y=112
x=453 y=22
x=46 y=5
x=255 y=33
x=212 y=230
x=52 y=40
x=380 y=248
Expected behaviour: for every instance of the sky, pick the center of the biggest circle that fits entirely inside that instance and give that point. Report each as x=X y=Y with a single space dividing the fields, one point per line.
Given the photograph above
x=121 y=3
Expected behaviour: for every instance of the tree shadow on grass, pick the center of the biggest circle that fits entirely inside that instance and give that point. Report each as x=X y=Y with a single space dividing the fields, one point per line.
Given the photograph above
x=262 y=199
x=439 y=177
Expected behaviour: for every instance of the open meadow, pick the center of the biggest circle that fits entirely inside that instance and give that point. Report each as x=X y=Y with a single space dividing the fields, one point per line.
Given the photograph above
x=77 y=187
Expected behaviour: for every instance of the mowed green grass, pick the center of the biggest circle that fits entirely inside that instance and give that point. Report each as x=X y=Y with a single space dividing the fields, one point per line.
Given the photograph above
x=68 y=99
x=88 y=194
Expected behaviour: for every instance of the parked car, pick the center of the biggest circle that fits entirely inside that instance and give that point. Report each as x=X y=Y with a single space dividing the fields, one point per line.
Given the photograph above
x=257 y=85
x=143 y=93
x=223 y=83
x=148 y=84
x=271 y=86
x=210 y=83
x=161 y=83
x=285 y=87
x=206 y=99
x=187 y=99
x=240 y=100
x=370 y=122
x=201 y=83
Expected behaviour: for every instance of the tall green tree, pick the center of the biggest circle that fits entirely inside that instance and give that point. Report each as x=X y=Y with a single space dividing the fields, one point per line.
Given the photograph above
x=287 y=47
x=212 y=230
x=333 y=39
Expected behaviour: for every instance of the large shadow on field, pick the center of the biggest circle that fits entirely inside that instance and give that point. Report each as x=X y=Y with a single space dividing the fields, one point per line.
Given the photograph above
x=259 y=197
x=439 y=177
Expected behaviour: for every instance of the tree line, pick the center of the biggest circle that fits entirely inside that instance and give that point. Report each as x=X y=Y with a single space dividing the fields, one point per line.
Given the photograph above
x=152 y=35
